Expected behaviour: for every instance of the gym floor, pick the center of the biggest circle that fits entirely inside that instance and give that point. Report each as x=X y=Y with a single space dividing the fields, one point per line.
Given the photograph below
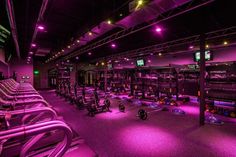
x=115 y=134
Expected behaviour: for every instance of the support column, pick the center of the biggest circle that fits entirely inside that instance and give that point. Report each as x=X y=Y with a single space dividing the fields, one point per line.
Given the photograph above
x=177 y=85
x=105 y=80
x=131 y=83
x=202 y=80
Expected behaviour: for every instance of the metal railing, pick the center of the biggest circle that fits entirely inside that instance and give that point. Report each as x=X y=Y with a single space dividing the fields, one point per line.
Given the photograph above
x=38 y=130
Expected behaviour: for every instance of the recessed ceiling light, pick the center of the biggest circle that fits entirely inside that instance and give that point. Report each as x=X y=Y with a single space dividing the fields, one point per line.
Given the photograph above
x=41 y=27
x=109 y=22
x=113 y=45
x=158 y=29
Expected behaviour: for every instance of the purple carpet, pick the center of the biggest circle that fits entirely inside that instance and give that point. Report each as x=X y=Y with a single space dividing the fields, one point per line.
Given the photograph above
x=164 y=134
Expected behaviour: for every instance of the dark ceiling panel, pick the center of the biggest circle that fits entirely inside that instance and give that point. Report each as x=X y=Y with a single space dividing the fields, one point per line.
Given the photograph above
x=217 y=15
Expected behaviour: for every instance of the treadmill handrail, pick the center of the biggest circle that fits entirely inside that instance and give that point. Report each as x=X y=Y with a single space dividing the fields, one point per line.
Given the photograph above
x=40 y=128
x=30 y=111
x=39 y=110
x=24 y=102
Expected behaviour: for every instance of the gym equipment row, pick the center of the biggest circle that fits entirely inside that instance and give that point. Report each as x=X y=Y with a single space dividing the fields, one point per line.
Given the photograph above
x=29 y=126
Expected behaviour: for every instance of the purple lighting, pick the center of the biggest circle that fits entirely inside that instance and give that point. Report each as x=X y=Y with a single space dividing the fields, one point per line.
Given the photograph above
x=158 y=29
x=191 y=47
x=31 y=52
x=33 y=45
x=40 y=27
x=113 y=45
x=144 y=139
x=89 y=53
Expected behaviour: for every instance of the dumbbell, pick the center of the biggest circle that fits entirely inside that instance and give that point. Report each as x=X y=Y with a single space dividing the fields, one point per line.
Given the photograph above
x=121 y=107
x=233 y=114
x=143 y=114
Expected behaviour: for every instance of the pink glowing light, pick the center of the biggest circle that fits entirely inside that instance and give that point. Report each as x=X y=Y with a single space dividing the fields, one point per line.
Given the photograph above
x=149 y=61
x=40 y=27
x=158 y=29
x=33 y=45
x=89 y=53
x=113 y=45
x=31 y=52
x=192 y=110
x=114 y=115
x=191 y=47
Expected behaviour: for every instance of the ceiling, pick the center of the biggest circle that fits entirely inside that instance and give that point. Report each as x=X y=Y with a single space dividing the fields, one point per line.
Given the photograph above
x=63 y=20
x=214 y=16
x=67 y=20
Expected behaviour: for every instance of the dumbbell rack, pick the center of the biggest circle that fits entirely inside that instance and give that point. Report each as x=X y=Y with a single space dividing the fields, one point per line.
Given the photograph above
x=168 y=81
x=221 y=86
x=63 y=74
x=189 y=77
x=120 y=81
x=145 y=83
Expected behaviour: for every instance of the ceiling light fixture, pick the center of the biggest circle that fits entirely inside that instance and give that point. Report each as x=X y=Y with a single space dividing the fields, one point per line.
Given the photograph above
x=158 y=29
x=113 y=45
x=191 y=47
x=41 y=27
x=109 y=22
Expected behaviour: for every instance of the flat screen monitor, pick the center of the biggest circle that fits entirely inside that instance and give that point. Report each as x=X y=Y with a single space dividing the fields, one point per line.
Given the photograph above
x=140 y=62
x=208 y=56
x=109 y=66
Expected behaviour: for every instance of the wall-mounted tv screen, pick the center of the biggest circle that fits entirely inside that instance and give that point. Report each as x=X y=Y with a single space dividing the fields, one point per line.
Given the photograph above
x=140 y=62
x=109 y=66
x=208 y=56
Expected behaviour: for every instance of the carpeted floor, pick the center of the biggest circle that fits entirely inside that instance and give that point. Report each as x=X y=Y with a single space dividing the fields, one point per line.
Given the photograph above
x=164 y=134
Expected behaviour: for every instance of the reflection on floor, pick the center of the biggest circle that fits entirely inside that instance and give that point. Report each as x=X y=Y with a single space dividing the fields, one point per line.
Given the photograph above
x=164 y=134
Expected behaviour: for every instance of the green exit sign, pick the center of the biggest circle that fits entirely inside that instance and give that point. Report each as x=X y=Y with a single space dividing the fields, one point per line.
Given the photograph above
x=36 y=72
